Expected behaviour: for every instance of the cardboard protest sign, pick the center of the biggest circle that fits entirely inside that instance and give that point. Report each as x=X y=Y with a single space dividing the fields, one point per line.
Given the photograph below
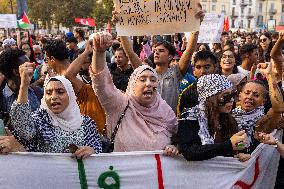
x=149 y=17
x=211 y=28
x=8 y=21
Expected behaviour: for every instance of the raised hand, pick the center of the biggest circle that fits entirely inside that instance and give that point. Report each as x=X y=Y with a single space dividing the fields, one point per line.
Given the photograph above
x=26 y=71
x=102 y=41
x=200 y=14
x=115 y=18
x=265 y=68
x=88 y=48
x=281 y=35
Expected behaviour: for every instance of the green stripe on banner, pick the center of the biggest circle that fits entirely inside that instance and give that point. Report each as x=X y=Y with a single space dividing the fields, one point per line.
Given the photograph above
x=82 y=174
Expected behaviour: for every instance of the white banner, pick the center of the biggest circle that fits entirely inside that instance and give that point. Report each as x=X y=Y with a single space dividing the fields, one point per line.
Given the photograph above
x=149 y=17
x=138 y=170
x=211 y=28
x=8 y=21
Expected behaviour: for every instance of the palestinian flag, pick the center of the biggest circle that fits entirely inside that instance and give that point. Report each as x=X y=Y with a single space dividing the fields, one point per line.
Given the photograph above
x=24 y=22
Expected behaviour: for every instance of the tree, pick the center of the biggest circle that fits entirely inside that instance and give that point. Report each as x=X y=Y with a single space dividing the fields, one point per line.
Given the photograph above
x=68 y=10
x=102 y=12
x=8 y=6
x=42 y=11
x=63 y=12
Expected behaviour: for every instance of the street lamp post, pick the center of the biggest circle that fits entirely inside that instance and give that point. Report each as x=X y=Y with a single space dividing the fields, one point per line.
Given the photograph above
x=266 y=12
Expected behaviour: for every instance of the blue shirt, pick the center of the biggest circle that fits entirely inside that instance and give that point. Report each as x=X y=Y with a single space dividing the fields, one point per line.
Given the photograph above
x=9 y=97
x=187 y=80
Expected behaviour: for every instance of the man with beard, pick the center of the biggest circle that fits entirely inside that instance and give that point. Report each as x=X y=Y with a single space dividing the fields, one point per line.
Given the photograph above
x=122 y=71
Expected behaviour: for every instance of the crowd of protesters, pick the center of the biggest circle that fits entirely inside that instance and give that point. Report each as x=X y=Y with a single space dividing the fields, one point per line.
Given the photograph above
x=144 y=93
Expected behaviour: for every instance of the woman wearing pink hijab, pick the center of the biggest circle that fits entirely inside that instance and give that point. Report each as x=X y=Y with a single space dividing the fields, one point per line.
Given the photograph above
x=148 y=122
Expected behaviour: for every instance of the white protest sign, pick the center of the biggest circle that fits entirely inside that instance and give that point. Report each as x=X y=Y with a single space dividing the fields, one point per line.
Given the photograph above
x=149 y=17
x=8 y=21
x=211 y=28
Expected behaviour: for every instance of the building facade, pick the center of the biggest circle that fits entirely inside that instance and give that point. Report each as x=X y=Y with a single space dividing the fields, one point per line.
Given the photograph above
x=269 y=10
x=247 y=14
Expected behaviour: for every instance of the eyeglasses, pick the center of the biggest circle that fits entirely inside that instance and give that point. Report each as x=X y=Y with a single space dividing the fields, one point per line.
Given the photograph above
x=227 y=56
x=37 y=54
x=263 y=40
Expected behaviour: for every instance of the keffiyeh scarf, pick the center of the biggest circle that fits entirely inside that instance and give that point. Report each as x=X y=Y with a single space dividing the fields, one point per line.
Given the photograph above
x=247 y=120
x=198 y=113
x=207 y=86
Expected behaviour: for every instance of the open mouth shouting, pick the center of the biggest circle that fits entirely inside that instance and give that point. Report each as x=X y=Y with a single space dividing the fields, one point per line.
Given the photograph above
x=148 y=93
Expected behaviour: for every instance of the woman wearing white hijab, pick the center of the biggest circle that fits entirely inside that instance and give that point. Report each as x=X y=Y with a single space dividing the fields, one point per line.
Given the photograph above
x=57 y=123
x=148 y=122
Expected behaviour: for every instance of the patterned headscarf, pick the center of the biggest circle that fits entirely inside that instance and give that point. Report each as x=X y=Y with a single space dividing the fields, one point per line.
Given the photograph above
x=236 y=78
x=8 y=42
x=207 y=86
x=70 y=119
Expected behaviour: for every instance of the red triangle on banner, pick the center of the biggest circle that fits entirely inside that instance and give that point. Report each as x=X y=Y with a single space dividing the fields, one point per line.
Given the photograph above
x=25 y=18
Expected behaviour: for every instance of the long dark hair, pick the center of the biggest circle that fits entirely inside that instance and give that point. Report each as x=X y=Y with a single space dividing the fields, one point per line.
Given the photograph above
x=265 y=57
x=235 y=68
x=221 y=125
x=32 y=56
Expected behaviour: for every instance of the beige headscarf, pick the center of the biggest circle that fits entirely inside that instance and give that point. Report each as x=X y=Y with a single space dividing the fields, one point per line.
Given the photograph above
x=159 y=116
x=70 y=119
x=236 y=78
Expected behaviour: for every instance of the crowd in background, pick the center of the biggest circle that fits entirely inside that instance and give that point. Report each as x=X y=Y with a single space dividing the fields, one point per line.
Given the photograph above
x=143 y=93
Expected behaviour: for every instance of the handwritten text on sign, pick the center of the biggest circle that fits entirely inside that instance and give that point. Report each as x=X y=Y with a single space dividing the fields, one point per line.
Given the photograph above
x=211 y=28
x=141 y=17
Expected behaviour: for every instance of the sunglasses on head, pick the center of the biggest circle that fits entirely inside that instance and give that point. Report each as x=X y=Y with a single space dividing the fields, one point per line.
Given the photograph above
x=227 y=98
x=263 y=40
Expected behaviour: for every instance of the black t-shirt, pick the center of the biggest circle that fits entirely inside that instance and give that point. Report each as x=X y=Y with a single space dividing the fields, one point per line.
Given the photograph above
x=188 y=98
x=120 y=78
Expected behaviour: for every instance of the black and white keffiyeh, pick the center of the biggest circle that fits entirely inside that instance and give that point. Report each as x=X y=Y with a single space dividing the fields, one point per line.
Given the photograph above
x=198 y=113
x=247 y=120
x=207 y=86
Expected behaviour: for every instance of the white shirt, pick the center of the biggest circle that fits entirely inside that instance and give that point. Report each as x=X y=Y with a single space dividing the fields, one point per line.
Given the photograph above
x=243 y=71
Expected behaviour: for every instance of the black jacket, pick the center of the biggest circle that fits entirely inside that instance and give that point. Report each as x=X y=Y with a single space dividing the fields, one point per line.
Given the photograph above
x=190 y=143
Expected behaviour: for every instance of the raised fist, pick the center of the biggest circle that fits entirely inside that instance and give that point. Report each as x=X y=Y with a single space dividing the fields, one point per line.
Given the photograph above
x=102 y=41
